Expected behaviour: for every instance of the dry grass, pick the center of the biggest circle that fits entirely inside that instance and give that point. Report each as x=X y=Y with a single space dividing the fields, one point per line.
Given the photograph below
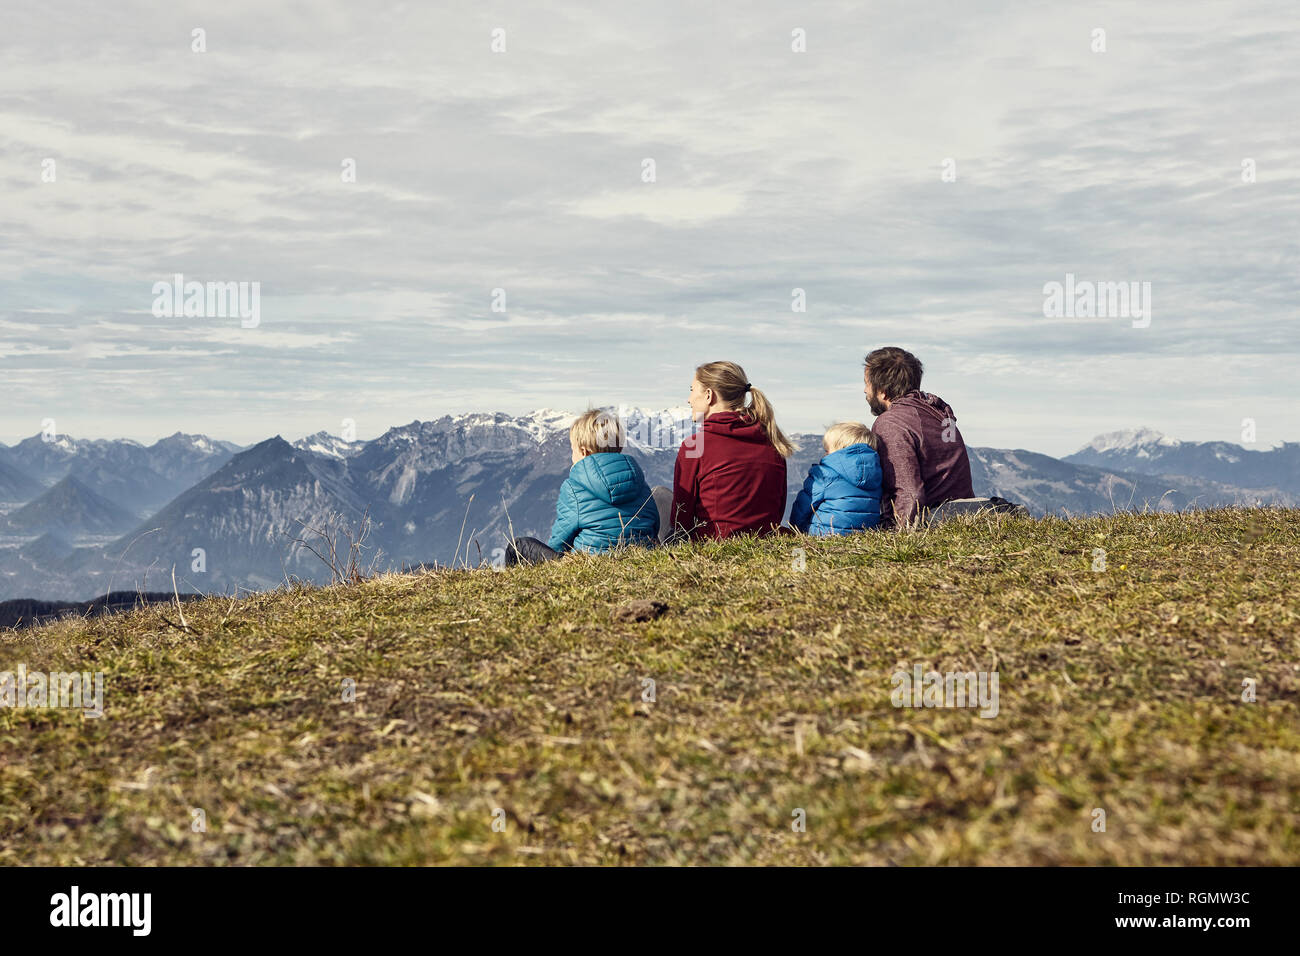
x=480 y=691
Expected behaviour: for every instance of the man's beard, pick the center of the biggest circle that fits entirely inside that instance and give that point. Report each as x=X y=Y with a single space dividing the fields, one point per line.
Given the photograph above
x=876 y=405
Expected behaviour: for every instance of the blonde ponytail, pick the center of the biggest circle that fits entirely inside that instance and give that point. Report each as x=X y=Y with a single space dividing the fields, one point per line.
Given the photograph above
x=730 y=382
x=761 y=410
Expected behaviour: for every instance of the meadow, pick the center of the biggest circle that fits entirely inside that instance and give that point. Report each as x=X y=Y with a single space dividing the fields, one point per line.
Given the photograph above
x=1147 y=668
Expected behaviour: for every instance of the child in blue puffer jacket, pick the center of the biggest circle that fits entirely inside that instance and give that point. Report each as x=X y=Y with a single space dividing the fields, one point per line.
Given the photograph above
x=842 y=491
x=605 y=502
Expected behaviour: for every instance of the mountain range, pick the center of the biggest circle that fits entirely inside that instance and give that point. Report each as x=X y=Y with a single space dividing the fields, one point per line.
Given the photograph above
x=136 y=477
x=1146 y=452
x=81 y=518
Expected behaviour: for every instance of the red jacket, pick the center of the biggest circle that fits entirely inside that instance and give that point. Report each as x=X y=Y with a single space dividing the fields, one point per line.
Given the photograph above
x=728 y=480
x=922 y=457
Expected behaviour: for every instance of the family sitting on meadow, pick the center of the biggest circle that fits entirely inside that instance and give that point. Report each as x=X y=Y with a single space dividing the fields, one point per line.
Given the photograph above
x=730 y=477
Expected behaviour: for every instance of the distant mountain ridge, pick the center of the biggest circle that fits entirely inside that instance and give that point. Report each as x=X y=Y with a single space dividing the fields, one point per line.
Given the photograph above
x=243 y=518
x=136 y=477
x=1049 y=485
x=451 y=489
x=15 y=486
x=69 y=506
x=1148 y=452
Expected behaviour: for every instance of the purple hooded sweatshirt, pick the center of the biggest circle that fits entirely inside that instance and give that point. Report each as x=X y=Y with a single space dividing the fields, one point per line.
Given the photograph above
x=922 y=457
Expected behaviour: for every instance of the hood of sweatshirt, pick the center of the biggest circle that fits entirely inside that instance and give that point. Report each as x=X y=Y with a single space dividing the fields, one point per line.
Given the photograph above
x=611 y=476
x=857 y=464
x=924 y=402
x=732 y=425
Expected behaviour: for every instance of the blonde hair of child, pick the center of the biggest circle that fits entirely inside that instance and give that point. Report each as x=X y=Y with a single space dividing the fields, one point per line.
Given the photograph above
x=843 y=434
x=597 y=430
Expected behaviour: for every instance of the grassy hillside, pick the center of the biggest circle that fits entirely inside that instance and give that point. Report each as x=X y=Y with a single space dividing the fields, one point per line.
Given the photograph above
x=517 y=691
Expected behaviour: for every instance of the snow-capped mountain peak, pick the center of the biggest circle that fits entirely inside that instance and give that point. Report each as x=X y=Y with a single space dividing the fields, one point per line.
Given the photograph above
x=542 y=423
x=642 y=425
x=649 y=429
x=61 y=442
x=328 y=446
x=182 y=440
x=1130 y=439
x=645 y=428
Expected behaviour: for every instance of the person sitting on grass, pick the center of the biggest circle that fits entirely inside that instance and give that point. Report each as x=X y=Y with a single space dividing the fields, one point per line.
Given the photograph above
x=923 y=457
x=729 y=477
x=842 y=491
x=605 y=502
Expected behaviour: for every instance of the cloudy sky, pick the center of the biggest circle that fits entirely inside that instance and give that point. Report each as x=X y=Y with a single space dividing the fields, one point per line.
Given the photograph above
x=523 y=170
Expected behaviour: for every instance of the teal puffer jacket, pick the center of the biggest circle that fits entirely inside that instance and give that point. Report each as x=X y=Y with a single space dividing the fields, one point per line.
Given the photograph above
x=604 y=502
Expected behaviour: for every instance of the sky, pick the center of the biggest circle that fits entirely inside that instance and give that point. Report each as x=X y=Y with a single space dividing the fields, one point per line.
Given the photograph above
x=921 y=171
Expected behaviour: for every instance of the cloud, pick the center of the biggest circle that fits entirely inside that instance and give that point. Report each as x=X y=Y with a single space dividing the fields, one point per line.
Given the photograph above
x=775 y=170
x=671 y=205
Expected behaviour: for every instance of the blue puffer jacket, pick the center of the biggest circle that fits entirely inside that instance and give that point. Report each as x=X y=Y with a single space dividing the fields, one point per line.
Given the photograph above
x=605 y=501
x=841 y=493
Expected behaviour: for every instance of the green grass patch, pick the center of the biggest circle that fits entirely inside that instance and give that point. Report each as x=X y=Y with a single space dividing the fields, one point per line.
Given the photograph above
x=499 y=716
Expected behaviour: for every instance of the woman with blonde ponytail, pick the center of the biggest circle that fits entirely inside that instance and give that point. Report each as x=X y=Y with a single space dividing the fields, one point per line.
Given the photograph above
x=730 y=476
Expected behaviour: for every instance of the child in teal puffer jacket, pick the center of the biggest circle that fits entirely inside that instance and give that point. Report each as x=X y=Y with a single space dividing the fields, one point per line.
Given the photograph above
x=842 y=491
x=605 y=502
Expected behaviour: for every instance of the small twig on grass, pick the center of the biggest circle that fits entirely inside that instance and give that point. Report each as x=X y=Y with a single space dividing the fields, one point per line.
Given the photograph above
x=123 y=555
x=225 y=617
x=463 y=521
x=510 y=525
x=184 y=625
x=917 y=733
x=349 y=572
x=177 y=595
